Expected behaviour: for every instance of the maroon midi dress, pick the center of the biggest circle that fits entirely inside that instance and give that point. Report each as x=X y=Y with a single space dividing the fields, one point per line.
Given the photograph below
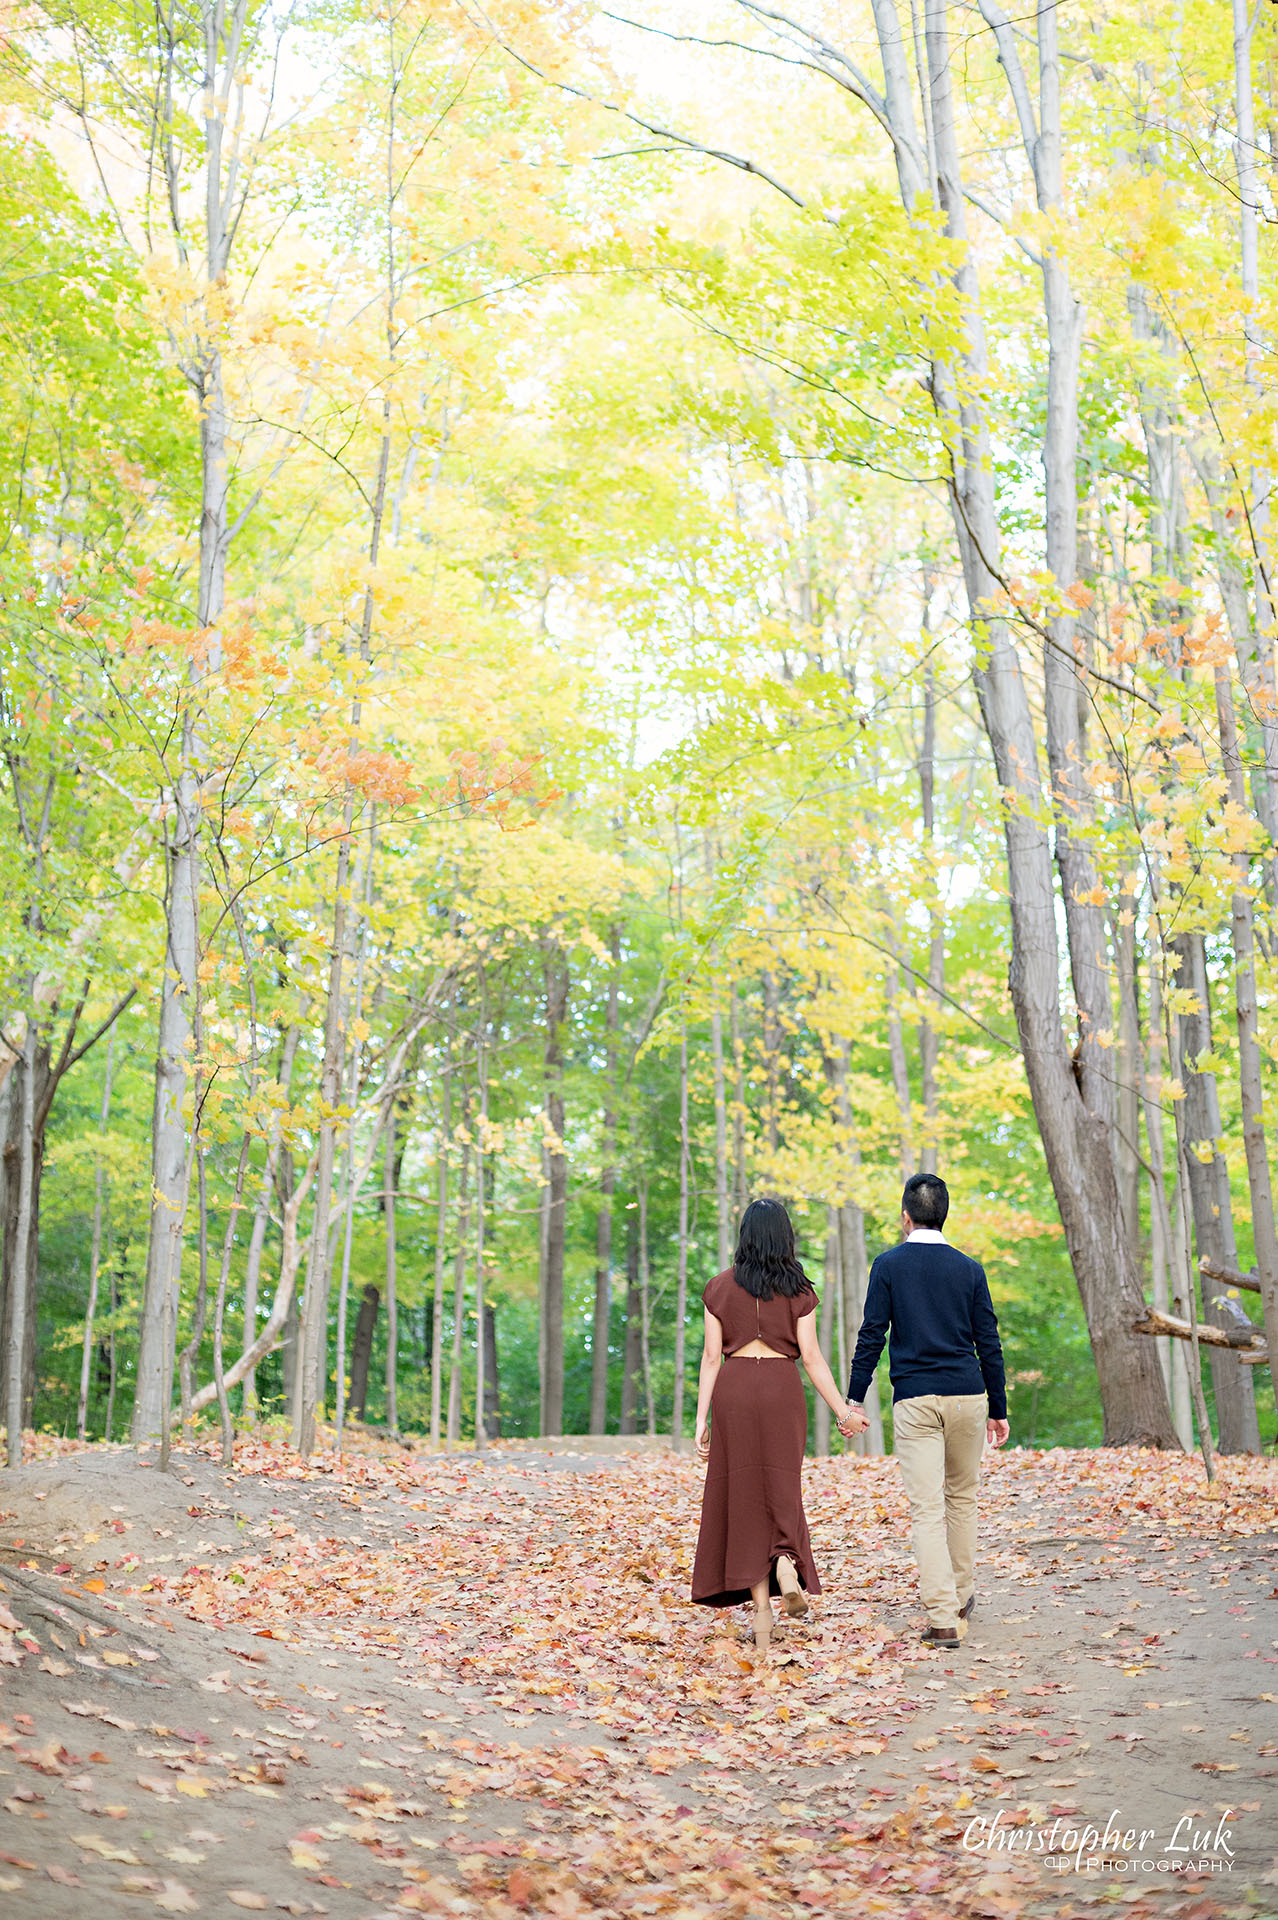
x=752 y=1506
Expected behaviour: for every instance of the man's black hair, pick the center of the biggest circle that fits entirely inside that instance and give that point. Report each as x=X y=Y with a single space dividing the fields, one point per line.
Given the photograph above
x=926 y=1199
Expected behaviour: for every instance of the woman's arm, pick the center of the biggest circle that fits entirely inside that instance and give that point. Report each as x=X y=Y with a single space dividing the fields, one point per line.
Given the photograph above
x=817 y=1369
x=711 y=1359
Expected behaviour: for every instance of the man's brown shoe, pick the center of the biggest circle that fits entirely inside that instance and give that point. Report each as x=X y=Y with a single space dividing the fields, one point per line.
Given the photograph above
x=968 y=1607
x=942 y=1636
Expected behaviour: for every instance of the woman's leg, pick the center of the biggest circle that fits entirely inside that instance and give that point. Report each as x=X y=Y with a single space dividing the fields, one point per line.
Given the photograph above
x=793 y=1598
x=762 y=1614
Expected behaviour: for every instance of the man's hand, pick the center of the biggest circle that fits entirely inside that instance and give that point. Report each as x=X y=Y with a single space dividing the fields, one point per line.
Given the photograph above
x=703 y=1439
x=852 y=1421
x=996 y=1432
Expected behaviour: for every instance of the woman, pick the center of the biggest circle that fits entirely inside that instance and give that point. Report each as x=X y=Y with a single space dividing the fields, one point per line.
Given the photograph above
x=759 y=1318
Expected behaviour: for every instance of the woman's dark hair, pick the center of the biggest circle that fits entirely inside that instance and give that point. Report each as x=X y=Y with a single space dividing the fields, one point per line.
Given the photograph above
x=765 y=1262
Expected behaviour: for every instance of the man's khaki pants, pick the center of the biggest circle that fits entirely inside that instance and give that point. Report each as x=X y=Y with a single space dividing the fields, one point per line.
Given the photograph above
x=939 y=1441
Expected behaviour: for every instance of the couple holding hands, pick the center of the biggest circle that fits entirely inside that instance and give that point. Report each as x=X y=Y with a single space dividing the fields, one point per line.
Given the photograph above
x=948 y=1395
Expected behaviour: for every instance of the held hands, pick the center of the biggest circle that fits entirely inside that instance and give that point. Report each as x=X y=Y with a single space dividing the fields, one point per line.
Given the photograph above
x=996 y=1432
x=852 y=1421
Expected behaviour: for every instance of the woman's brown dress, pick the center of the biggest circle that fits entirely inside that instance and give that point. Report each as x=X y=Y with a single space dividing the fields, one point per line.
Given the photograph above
x=752 y=1506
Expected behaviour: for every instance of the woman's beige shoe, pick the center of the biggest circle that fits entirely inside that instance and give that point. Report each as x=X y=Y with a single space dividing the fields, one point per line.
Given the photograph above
x=762 y=1629
x=793 y=1598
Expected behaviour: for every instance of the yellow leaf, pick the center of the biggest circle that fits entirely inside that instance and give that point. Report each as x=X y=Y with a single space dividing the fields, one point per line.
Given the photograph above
x=194 y=1789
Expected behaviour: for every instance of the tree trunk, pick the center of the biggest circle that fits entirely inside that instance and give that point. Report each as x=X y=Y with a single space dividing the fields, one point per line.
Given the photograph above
x=555 y=974
x=1250 y=1058
x=740 y=1180
x=262 y=1220
x=492 y=1378
x=853 y=1261
x=392 y=1308
x=772 y=1058
x=645 y=1311
x=681 y=1271
x=929 y=1039
x=1208 y=1183
x=441 y=1248
x=452 y=1431
x=900 y=1072
x=825 y=1329
x=602 y=1331
x=1073 y=1130
x=722 y=1202
x=1127 y=1064
x=19 y=1296
x=362 y=1351
x=95 y=1252
x=631 y=1362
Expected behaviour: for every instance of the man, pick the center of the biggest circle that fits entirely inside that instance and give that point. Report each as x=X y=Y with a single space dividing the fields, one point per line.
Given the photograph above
x=948 y=1394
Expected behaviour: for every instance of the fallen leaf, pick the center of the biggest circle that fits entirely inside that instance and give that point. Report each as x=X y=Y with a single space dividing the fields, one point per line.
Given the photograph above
x=253 y=1902
x=93 y=1843
x=173 y=1897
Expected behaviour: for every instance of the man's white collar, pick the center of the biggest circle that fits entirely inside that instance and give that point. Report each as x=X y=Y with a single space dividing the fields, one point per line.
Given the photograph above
x=927 y=1233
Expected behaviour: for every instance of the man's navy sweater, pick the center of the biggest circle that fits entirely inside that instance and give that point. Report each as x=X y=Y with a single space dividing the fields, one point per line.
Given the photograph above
x=944 y=1335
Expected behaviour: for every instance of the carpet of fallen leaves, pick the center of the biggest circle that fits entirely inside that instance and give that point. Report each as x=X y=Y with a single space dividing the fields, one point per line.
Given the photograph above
x=573 y=1600
x=534 y=1593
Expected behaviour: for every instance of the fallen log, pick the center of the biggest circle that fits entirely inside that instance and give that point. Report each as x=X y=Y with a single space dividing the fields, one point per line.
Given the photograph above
x=1230 y=1276
x=1240 y=1343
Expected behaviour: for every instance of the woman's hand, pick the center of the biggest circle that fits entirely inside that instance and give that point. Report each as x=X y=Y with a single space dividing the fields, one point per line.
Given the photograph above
x=703 y=1439
x=852 y=1421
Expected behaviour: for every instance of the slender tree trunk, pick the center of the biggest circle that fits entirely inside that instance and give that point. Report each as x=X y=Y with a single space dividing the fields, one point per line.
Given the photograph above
x=681 y=1279
x=362 y=1352
x=853 y=1261
x=552 y=1288
x=631 y=1376
x=1207 y=1179
x=262 y=1220
x=900 y=1072
x=1250 y=1058
x=645 y=1310
x=16 y=1343
x=740 y=1182
x=492 y=1377
x=95 y=1252
x=772 y=1058
x=392 y=1308
x=219 y=1309
x=112 y=1362
x=481 y=1306
x=1127 y=1064
x=1162 y=1230
x=348 y=1176
x=607 y=1186
x=441 y=1245
x=453 y=1428
x=825 y=1330
x=929 y=1038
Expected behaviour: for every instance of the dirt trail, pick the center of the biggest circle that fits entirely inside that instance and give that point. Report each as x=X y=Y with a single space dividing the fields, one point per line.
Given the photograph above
x=545 y=1727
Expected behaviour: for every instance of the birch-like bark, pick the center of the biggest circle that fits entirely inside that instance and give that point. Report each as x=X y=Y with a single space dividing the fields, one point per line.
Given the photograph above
x=929 y=1038
x=95 y=1252
x=825 y=1328
x=262 y=1220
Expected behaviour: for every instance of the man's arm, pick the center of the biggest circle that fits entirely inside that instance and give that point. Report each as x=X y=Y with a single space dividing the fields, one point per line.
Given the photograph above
x=989 y=1348
x=869 y=1342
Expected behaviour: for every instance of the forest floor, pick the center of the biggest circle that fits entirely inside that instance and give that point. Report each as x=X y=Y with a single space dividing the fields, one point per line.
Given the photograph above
x=402 y=1683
